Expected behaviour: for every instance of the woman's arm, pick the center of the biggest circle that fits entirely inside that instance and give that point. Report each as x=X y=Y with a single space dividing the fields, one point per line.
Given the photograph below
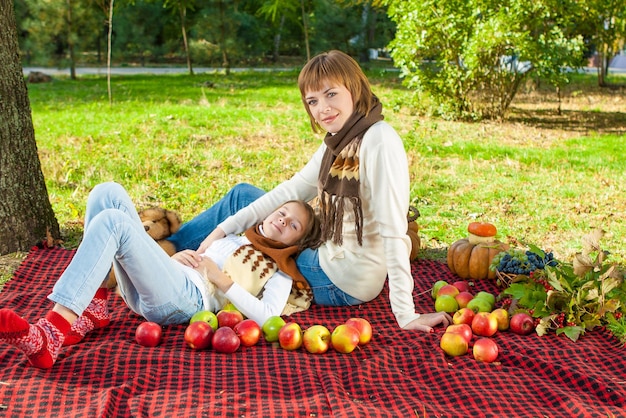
x=386 y=169
x=303 y=185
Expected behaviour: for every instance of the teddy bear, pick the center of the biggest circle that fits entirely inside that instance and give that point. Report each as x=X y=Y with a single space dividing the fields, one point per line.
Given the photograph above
x=159 y=223
x=413 y=232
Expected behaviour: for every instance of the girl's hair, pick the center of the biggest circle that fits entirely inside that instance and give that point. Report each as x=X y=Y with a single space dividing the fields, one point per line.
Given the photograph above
x=335 y=67
x=312 y=229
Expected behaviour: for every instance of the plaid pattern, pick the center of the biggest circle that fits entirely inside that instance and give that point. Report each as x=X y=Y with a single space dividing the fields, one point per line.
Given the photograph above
x=399 y=374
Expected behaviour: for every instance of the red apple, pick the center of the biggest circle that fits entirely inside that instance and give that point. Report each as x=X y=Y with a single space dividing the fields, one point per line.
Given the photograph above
x=364 y=328
x=485 y=350
x=521 y=323
x=198 y=335
x=449 y=290
x=270 y=328
x=345 y=338
x=148 y=334
x=502 y=316
x=463 y=329
x=248 y=331
x=316 y=339
x=462 y=285
x=290 y=336
x=225 y=340
x=463 y=298
x=463 y=316
x=229 y=318
x=453 y=344
x=484 y=324
x=206 y=316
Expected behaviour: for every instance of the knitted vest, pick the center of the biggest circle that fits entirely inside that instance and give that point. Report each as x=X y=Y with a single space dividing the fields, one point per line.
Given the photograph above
x=251 y=269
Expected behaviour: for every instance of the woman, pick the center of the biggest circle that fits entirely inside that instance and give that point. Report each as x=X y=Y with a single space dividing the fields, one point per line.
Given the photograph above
x=360 y=177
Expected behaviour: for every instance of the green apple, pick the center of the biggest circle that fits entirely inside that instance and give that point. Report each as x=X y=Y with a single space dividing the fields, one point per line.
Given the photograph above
x=438 y=285
x=271 y=327
x=446 y=303
x=206 y=316
x=479 y=305
x=488 y=297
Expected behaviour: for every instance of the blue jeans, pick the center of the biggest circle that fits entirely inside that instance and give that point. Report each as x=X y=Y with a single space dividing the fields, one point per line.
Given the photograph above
x=150 y=282
x=192 y=233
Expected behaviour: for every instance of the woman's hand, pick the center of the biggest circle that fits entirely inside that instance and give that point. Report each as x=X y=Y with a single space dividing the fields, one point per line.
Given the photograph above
x=426 y=322
x=189 y=258
x=213 y=236
x=212 y=272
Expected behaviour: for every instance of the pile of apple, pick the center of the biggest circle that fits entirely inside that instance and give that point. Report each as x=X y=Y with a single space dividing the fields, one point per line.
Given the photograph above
x=475 y=315
x=318 y=339
x=227 y=330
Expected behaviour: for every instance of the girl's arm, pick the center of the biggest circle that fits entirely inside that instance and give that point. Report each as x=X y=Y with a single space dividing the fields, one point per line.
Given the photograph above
x=275 y=293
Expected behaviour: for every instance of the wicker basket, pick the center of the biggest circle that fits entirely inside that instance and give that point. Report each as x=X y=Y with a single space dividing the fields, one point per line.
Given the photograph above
x=504 y=279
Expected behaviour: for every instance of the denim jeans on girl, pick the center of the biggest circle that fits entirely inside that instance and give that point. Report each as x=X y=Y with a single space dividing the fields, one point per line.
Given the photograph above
x=150 y=282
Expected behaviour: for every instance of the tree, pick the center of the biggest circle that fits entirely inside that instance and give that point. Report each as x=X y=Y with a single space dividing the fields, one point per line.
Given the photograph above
x=26 y=215
x=181 y=6
x=470 y=57
x=270 y=9
x=606 y=20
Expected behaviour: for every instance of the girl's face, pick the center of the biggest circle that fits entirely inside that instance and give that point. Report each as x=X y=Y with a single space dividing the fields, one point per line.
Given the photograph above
x=331 y=106
x=286 y=224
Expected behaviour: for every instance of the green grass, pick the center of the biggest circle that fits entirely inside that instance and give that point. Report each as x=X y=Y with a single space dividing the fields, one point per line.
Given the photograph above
x=181 y=142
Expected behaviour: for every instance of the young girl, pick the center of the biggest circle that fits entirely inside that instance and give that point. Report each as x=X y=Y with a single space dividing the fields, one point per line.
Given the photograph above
x=360 y=176
x=163 y=289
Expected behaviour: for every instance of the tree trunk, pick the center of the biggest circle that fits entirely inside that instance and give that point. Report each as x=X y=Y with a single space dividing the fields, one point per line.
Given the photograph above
x=225 y=58
x=109 y=46
x=26 y=215
x=277 y=37
x=183 y=24
x=305 y=27
x=70 y=40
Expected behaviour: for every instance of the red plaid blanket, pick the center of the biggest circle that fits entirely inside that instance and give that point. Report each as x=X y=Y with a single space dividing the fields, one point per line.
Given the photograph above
x=398 y=374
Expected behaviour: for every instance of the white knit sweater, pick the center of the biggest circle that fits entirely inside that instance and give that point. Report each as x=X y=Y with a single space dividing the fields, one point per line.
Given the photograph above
x=360 y=271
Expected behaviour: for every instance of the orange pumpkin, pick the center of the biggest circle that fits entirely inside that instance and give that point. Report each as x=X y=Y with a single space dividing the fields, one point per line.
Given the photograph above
x=482 y=229
x=471 y=261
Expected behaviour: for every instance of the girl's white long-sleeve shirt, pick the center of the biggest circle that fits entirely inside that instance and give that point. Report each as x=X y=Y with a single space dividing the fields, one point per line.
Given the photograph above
x=360 y=271
x=275 y=292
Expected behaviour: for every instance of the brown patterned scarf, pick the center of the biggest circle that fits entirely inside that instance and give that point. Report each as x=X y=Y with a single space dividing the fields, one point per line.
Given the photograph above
x=339 y=174
x=282 y=254
x=252 y=265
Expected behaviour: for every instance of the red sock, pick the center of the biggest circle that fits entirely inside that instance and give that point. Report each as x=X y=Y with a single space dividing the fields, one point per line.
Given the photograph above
x=95 y=316
x=40 y=342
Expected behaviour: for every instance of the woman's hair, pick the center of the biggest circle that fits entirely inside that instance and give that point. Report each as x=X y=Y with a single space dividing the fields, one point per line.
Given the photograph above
x=335 y=67
x=312 y=229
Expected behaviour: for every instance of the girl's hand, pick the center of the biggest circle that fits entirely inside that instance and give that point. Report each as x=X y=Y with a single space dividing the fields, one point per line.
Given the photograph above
x=212 y=272
x=426 y=321
x=189 y=258
x=213 y=236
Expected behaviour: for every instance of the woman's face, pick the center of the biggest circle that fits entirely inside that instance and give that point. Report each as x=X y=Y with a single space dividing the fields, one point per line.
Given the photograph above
x=331 y=106
x=286 y=224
